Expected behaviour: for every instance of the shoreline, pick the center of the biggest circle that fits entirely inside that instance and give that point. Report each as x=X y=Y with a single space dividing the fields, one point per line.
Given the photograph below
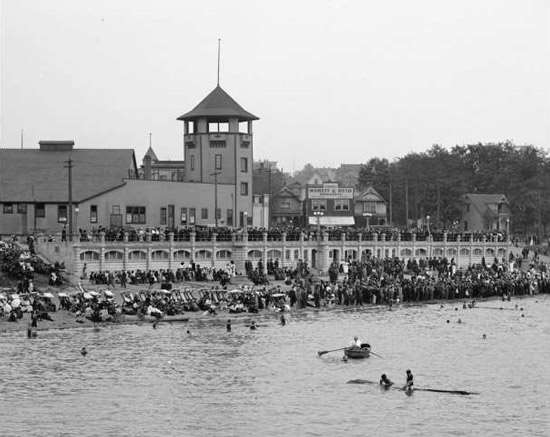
x=66 y=320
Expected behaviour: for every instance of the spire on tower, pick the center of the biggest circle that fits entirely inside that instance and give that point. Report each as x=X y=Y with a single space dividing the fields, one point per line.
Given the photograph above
x=219 y=44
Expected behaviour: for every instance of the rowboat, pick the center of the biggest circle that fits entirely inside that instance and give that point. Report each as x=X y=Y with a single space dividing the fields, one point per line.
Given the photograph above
x=355 y=352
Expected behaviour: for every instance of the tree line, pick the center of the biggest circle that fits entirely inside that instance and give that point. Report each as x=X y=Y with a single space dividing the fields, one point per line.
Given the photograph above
x=432 y=183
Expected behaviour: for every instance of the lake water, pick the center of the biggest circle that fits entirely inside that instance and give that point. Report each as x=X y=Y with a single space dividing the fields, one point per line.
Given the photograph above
x=137 y=381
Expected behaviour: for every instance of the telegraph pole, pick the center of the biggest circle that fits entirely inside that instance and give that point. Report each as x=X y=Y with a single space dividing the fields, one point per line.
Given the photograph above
x=407 y=204
x=69 y=166
x=215 y=174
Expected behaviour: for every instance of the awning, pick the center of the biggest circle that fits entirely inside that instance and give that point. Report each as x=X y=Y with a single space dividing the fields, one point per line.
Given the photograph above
x=333 y=221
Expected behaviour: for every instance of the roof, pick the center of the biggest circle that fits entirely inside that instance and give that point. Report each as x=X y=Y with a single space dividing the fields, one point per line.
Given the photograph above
x=482 y=201
x=151 y=154
x=287 y=192
x=33 y=175
x=218 y=105
x=369 y=195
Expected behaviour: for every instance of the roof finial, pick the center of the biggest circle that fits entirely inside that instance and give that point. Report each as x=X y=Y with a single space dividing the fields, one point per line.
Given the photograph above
x=150 y=139
x=219 y=43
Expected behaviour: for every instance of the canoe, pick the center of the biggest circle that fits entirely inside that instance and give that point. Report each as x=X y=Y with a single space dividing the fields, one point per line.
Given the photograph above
x=354 y=352
x=433 y=390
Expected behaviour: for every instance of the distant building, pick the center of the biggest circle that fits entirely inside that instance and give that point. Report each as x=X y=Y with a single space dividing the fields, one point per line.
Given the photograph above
x=348 y=174
x=287 y=207
x=34 y=183
x=260 y=210
x=156 y=170
x=370 y=208
x=329 y=205
x=485 y=212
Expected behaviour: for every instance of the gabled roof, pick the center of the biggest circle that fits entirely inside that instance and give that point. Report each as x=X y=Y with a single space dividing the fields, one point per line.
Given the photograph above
x=287 y=192
x=482 y=201
x=218 y=105
x=151 y=153
x=370 y=194
x=33 y=175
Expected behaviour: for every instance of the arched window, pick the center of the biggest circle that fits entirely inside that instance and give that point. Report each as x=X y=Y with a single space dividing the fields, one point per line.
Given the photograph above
x=89 y=255
x=136 y=255
x=438 y=251
x=406 y=252
x=113 y=256
x=182 y=254
x=420 y=252
x=223 y=254
x=254 y=253
x=451 y=251
x=203 y=254
x=464 y=252
x=478 y=252
x=159 y=255
x=274 y=253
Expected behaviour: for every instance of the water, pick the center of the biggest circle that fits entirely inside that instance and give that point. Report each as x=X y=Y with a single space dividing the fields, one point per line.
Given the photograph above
x=137 y=381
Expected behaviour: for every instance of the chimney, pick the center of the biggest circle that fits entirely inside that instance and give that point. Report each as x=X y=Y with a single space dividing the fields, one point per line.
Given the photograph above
x=147 y=167
x=56 y=146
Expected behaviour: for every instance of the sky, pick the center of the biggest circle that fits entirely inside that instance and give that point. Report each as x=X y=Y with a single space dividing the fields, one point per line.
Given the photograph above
x=332 y=81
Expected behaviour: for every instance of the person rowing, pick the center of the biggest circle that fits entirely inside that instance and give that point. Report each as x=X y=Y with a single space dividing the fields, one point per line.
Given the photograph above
x=385 y=382
x=356 y=343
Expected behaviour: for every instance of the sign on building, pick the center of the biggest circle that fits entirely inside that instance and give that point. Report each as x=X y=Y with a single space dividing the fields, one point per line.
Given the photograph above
x=330 y=191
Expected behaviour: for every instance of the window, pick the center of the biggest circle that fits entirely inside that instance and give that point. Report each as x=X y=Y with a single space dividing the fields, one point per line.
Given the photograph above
x=40 y=210
x=244 y=165
x=183 y=216
x=369 y=207
x=163 y=216
x=229 y=217
x=284 y=203
x=135 y=215
x=21 y=208
x=190 y=144
x=341 y=205
x=115 y=209
x=217 y=144
x=192 y=162
x=192 y=213
x=218 y=213
x=8 y=208
x=204 y=213
x=93 y=213
x=244 y=188
x=62 y=213
x=318 y=205
x=218 y=162
x=245 y=144
x=218 y=127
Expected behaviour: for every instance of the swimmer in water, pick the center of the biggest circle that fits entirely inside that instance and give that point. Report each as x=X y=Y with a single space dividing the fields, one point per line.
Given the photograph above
x=83 y=351
x=410 y=382
x=253 y=325
x=228 y=325
x=283 y=320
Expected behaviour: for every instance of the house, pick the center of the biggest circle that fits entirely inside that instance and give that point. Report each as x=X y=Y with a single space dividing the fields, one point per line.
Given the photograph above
x=485 y=212
x=156 y=170
x=370 y=208
x=287 y=207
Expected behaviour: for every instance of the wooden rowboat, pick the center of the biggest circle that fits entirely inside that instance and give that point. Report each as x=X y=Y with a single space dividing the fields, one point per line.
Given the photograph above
x=355 y=352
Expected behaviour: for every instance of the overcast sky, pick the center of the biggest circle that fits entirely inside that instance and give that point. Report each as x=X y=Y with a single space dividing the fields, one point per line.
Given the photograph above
x=332 y=81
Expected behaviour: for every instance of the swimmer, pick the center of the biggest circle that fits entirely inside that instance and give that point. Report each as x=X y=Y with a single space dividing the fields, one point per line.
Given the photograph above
x=228 y=325
x=459 y=321
x=83 y=351
x=253 y=325
x=283 y=320
x=385 y=382
x=155 y=324
x=448 y=321
x=484 y=336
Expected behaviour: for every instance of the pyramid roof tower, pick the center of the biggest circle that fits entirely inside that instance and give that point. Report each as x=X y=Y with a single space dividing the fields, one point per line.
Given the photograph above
x=218 y=105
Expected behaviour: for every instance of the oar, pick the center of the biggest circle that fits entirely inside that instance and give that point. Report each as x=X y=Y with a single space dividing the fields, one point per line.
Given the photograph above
x=333 y=350
x=376 y=355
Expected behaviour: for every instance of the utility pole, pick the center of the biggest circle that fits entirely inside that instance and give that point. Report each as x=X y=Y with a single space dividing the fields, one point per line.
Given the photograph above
x=69 y=166
x=407 y=204
x=391 y=204
x=215 y=174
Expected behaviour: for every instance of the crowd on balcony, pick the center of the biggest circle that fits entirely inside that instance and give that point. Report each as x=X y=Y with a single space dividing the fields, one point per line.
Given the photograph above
x=291 y=233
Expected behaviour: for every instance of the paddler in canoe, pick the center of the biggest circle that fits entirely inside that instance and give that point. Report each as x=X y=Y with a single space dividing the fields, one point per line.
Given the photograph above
x=385 y=382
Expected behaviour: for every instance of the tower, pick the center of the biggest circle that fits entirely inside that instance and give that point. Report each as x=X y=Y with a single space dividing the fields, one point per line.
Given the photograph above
x=218 y=144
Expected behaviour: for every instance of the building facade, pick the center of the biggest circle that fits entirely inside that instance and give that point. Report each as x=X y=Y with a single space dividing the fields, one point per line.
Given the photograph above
x=485 y=212
x=287 y=207
x=218 y=147
x=370 y=208
x=329 y=205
